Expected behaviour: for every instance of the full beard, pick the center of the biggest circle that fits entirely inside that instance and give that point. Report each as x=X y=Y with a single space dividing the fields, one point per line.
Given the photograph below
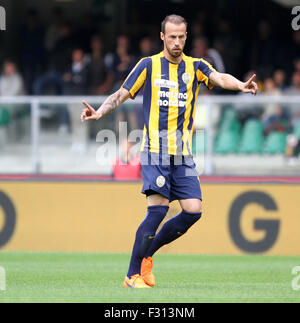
x=175 y=54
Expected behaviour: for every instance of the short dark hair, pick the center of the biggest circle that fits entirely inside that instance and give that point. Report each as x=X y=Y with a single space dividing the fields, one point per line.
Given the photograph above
x=174 y=19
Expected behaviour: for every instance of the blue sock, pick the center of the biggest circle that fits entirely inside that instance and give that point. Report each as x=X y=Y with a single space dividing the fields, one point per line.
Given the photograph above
x=172 y=230
x=144 y=237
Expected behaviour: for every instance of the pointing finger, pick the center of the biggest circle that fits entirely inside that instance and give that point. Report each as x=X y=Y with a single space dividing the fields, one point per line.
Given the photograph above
x=251 y=79
x=88 y=106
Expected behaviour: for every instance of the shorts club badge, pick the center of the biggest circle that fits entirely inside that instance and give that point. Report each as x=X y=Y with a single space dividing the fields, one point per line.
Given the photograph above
x=160 y=181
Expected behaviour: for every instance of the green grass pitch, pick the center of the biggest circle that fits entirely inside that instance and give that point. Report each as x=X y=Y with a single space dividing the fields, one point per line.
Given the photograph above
x=78 y=277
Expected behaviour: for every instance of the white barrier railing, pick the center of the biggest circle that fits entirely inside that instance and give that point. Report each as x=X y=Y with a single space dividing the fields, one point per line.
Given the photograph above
x=208 y=101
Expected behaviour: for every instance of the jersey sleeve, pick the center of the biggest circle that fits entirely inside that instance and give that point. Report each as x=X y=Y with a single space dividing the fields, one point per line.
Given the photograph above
x=203 y=72
x=136 y=79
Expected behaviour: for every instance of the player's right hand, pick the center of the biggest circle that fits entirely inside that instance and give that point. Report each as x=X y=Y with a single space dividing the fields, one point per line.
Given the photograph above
x=89 y=113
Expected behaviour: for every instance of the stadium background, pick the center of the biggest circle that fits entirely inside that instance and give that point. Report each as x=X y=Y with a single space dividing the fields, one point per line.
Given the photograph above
x=56 y=195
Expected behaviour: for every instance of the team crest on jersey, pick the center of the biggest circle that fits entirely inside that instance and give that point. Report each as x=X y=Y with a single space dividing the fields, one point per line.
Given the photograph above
x=160 y=181
x=186 y=78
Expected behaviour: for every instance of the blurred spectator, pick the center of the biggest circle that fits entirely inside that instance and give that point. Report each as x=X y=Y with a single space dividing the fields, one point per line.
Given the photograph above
x=84 y=32
x=76 y=78
x=277 y=121
x=122 y=62
x=53 y=31
x=286 y=53
x=153 y=32
x=76 y=83
x=33 y=51
x=297 y=65
x=128 y=166
x=293 y=140
x=2 y=48
x=263 y=50
x=274 y=118
x=295 y=49
x=100 y=82
x=270 y=87
x=59 y=60
x=146 y=47
x=201 y=50
x=202 y=17
x=293 y=149
x=280 y=79
x=271 y=48
x=228 y=45
x=197 y=29
x=294 y=89
x=62 y=51
x=11 y=82
x=51 y=83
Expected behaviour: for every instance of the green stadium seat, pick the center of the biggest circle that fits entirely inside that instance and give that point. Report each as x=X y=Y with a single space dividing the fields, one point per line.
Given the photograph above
x=275 y=143
x=297 y=129
x=252 y=138
x=4 y=117
x=227 y=143
x=229 y=115
x=253 y=124
x=229 y=133
x=229 y=121
x=199 y=142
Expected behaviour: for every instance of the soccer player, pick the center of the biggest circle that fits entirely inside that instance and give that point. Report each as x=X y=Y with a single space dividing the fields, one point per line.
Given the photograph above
x=171 y=82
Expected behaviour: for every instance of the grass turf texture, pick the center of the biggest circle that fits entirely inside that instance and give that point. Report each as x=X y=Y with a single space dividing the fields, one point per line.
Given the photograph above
x=76 y=277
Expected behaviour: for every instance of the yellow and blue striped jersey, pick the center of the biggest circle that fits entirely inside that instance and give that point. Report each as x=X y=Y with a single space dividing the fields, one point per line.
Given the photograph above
x=169 y=104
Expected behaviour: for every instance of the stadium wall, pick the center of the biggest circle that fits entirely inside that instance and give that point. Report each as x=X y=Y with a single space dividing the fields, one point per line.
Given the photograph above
x=238 y=218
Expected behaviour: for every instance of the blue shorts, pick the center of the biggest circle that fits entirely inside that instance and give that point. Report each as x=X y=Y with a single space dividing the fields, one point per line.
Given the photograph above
x=173 y=177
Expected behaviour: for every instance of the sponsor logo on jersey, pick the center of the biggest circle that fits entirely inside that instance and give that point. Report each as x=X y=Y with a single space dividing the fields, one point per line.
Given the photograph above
x=165 y=84
x=173 y=99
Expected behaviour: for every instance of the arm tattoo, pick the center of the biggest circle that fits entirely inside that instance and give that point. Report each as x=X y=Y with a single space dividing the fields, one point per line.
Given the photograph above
x=111 y=104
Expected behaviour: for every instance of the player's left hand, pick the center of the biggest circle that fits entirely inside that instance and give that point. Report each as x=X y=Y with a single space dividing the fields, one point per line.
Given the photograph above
x=250 y=86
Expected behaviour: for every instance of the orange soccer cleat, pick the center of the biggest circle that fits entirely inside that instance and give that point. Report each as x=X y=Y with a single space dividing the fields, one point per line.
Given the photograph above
x=135 y=281
x=146 y=271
